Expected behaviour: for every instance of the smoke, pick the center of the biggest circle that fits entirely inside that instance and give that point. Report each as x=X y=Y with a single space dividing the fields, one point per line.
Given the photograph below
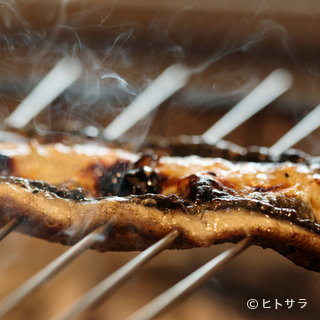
x=116 y=68
x=28 y=52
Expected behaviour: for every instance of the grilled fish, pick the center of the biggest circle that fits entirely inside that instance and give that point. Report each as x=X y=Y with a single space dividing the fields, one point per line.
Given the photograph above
x=65 y=192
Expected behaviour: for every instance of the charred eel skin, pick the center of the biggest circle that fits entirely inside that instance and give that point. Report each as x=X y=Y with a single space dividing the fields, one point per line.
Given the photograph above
x=140 y=220
x=136 y=192
x=205 y=194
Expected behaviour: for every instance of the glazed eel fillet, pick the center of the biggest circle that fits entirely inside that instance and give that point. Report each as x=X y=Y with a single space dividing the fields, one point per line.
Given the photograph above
x=65 y=192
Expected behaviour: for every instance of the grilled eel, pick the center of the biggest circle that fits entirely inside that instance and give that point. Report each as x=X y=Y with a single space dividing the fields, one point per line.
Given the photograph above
x=145 y=196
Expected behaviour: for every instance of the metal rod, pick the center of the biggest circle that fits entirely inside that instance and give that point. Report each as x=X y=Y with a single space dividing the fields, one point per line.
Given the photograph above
x=67 y=71
x=308 y=124
x=9 y=226
x=170 y=81
x=278 y=82
x=52 y=269
x=114 y=281
x=189 y=284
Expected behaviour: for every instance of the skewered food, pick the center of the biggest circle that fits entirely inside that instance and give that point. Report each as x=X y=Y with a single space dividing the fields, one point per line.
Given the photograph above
x=145 y=196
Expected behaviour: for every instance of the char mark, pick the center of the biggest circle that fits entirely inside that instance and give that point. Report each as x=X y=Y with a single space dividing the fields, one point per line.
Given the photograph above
x=207 y=193
x=124 y=179
x=75 y=194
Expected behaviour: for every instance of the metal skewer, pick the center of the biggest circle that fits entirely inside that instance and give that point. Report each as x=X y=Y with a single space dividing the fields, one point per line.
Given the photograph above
x=66 y=72
x=168 y=82
x=278 y=82
x=9 y=226
x=111 y=283
x=177 y=76
x=189 y=284
x=52 y=269
x=297 y=133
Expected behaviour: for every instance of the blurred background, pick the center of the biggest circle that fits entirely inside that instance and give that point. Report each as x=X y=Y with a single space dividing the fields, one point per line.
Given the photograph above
x=122 y=47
